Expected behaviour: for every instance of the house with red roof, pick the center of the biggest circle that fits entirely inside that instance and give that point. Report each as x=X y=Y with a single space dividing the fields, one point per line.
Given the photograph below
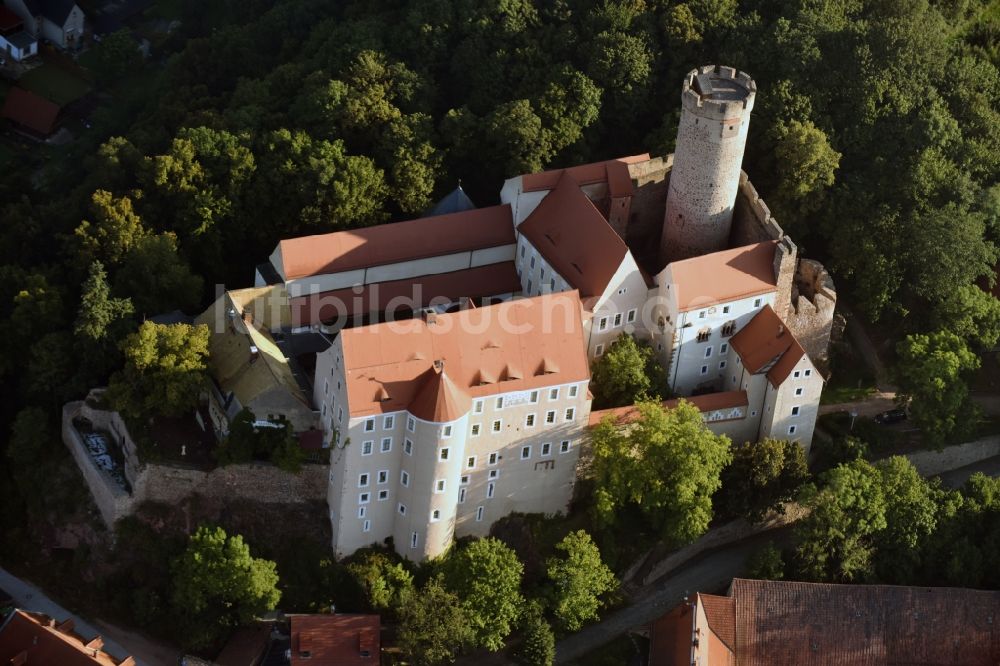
x=62 y=22
x=30 y=113
x=28 y=638
x=15 y=42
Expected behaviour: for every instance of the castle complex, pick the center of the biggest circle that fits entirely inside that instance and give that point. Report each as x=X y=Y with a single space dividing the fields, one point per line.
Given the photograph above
x=477 y=404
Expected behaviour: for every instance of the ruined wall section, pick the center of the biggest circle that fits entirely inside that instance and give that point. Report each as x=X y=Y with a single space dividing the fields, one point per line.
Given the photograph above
x=813 y=300
x=650 y=181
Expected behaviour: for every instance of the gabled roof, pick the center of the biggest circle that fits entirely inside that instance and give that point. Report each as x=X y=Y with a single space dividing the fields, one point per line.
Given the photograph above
x=518 y=345
x=725 y=276
x=614 y=172
x=341 y=639
x=721 y=615
x=708 y=402
x=787 y=622
x=766 y=344
x=56 y=11
x=30 y=111
x=42 y=640
x=568 y=230
x=391 y=243
x=456 y=201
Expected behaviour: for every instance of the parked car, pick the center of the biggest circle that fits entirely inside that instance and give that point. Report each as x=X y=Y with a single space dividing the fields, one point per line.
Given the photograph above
x=891 y=416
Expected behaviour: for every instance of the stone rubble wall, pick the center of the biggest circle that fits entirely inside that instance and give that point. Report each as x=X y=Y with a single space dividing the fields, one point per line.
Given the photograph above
x=931 y=463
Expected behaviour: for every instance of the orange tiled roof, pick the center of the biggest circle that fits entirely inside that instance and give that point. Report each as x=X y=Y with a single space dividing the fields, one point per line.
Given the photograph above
x=31 y=111
x=513 y=346
x=721 y=615
x=575 y=238
x=489 y=280
x=340 y=639
x=399 y=241
x=786 y=622
x=614 y=172
x=44 y=641
x=766 y=343
x=438 y=399
x=705 y=403
x=719 y=277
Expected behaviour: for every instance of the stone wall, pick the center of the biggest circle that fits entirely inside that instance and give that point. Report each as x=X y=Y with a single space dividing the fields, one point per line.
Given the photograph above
x=930 y=463
x=171 y=483
x=813 y=301
x=649 y=199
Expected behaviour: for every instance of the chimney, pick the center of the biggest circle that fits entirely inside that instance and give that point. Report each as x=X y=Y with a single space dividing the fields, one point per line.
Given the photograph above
x=428 y=315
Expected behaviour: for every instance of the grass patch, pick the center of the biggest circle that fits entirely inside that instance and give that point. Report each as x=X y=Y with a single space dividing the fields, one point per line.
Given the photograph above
x=54 y=83
x=850 y=377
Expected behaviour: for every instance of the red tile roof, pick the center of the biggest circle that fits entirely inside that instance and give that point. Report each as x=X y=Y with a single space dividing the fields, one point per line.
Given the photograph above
x=42 y=640
x=766 y=343
x=721 y=615
x=438 y=399
x=614 y=172
x=9 y=20
x=30 y=111
x=335 y=640
x=247 y=645
x=705 y=403
x=785 y=622
x=720 y=277
x=670 y=638
x=392 y=243
x=489 y=280
x=568 y=230
x=519 y=345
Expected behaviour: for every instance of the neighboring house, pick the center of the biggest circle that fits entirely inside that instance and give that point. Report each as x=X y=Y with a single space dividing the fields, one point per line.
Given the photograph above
x=28 y=638
x=15 y=41
x=443 y=425
x=30 y=113
x=787 y=623
x=61 y=22
x=339 y=639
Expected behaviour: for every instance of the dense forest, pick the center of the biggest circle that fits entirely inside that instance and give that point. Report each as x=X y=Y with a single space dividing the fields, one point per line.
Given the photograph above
x=875 y=140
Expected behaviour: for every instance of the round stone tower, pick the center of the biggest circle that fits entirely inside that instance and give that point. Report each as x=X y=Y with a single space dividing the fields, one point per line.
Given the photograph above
x=715 y=116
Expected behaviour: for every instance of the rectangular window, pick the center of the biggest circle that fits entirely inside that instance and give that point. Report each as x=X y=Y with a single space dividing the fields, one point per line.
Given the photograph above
x=722 y=365
x=798 y=391
x=541 y=274
x=446 y=432
x=479 y=514
x=533 y=398
x=477 y=407
x=808 y=373
x=795 y=411
x=324 y=409
x=723 y=348
x=383 y=476
x=522 y=251
x=791 y=430
x=326 y=387
x=525 y=452
x=704 y=334
x=413 y=540
x=574 y=390
x=361 y=511
x=529 y=283
x=552 y=284
x=550 y=416
x=367 y=526
x=386 y=444
x=404 y=478
x=464 y=479
x=494 y=473
x=532 y=261
x=408 y=447
x=461 y=495
x=443 y=454
x=496 y=426
x=490 y=489
x=363 y=480
x=570 y=413
x=500 y=402
x=728 y=329
x=529 y=421
x=708 y=351
x=598 y=350
x=704 y=369
x=470 y=462
x=383 y=495
x=547 y=449
x=564 y=446
x=364 y=498
x=701 y=315
x=630 y=317
x=435 y=515
x=340 y=415
x=475 y=429
x=493 y=458
x=725 y=309
x=618 y=319
x=411 y=425
x=756 y=302
x=439 y=486
x=796 y=374
x=554 y=394
x=366 y=448
x=402 y=509
x=602 y=323
x=370 y=425
x=388 y=423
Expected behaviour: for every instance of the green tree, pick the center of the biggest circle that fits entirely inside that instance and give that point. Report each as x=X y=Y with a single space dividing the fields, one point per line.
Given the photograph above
x=248 y=440
x=538 y=643
x=767 y=563
x=165 y=370
x=762 y=477
x=932 y=373
x=240 y=444
x=30 y=455
x=434 y=626
x=579 y=578
x=667 y=465
x=486 y=575
x=836 y=539
x=98 y=311
x=627 y=371
x=116 y=56
x=218 y=585
x=911 y=516
x=386 y=584
x=155 y=277
x=972 y=314
x=805 y=165
x=116 y=229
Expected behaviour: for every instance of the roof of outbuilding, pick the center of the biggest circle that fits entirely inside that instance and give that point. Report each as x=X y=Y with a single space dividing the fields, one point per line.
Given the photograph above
x=572 y=235
x=724 y=276
x=31 y=111
x=614 y=172
x=391 y=243
x=767 y=344
x=708 y=402
x=45 y=641
x=341 y=639
x=512 y=346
